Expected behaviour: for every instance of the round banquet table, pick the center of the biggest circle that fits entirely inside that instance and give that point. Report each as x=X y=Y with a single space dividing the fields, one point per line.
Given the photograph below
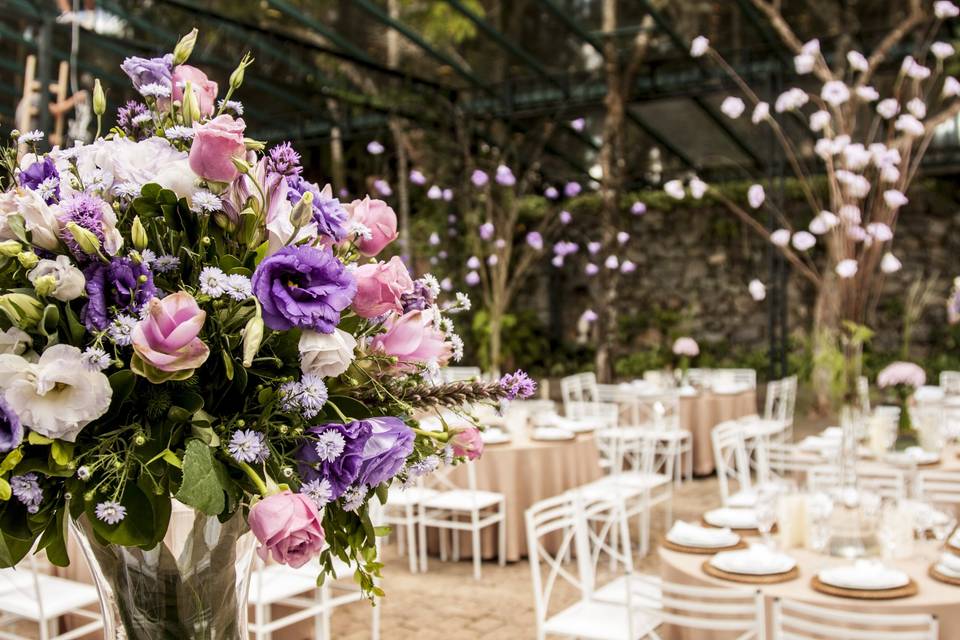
x=526 y=471
x=700 y=413
x=933 y=597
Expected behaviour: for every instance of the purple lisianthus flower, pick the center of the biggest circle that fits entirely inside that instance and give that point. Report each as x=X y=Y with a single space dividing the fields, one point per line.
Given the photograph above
x=135 y=120
x=518 y=385
x=43 y=176
x=340 y=464
x=11 y=431
x=328 y=213
x=305 y=287
x=144 y=71
x=115 y=288
x=283 y=159
x=389 y=445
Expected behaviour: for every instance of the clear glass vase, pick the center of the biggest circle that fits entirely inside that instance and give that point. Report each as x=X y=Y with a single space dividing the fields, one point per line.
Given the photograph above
x=192 y=586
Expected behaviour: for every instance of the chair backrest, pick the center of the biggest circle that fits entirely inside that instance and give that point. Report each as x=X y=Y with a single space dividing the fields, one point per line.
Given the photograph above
x=719 y=609
x=22 y=582
x=580 y=387
x=781 y=400
x=458 y=374
x=699 y=377
x=886 y=483
x=789 y=459
x=938 y=486
x=735 y=377
x=800 y=621
x=730 y=457
x=659 y=377
x=606 y=414
x=659 y=411
x=950 y=381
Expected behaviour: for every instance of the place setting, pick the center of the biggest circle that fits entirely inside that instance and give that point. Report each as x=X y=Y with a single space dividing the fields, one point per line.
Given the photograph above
x=864 y=580
x=692 y=538
x=757 y=564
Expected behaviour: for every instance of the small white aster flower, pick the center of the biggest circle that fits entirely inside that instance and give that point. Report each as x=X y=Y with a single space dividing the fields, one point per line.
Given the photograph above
x=110 y=511
x=247 y=445
x=697 y=187
x=95 y=359
x=894 y=199
x=909 y=125
x=803 y=63
x=760 y=113
x=835 y=93
x=166 y=263
x=141 y=119
x=888 y=108
x=126 y=190
x=231 y=105
x=791 y=100
x=213 y=282
x=942 y=50
x=319 y=491
x=431 y=283
x=951 y=87
x=329 y=445
x=674 y=189
x=456 y=342
x=155 y=90
x=361 y=230
x=312 y=396
x=148 y=257
x=867 y=93
x=239 y=287
x=944 y=9
x=803 y=241
x=890 y=263
x=353 y=498
x=758 y=290
x=819 y=120
x=732 y=107
x=846 y=268
x=48 y=188
x=914 y=69
x=178 y=132
x=917 y=108
x=206 y=202
x=121 y=330
x=780 y=237
x=30 y=137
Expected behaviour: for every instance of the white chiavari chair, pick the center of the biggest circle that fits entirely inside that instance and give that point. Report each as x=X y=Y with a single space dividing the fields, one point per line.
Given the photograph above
x=863 y=394
x=454 y=509
x=938 y=486
x=402 y=513
x=789 y=460
x=886 y=483
x=732 y=462
x=658 y=416
x=801 y=621
x=950 y=381
x=699 y=378
x=28 y=595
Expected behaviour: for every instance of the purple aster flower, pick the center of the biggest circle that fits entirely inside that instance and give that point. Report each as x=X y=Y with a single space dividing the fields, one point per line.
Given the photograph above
x=110 y=511
x=417 y=177
x=386 y=451
x=578 y=124
x=283 y=159
x=479 y=178
x=320 y=492
x=354 y=497
x=447 y=195
x=342 y=470
x=572 y=189
x=113 y=289
x=144 y=71
x=518 y=385
x=135 y=120
x=374 y=148
x=26 y=489
x=472 y=279
x=487 y=230
x=247 y=445
x=565 y=248
x=383 y=187
x=551 y=193
x=305 y=287
x=565 y=217
x=11 y=431
x=535 y=240
x=505 y=177
x=638 y=208
x=328 y=213
x=42 y=174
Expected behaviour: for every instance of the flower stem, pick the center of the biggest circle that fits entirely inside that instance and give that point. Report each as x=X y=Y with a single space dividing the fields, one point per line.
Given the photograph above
x=440 y=436
x=260 y=484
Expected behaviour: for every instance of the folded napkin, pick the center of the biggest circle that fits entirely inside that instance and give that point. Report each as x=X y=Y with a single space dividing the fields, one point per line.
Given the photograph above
x=955 y=539
x=545 y=418
x=834 y=433
x=730 y=517
x=494 y=436
x=746 y=498
x=758 y=559
x=819 y=444
x=694 y=535
x=950 y=561
x=864 y=574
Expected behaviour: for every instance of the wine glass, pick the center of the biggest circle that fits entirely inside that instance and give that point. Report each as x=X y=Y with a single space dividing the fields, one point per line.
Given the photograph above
x=820 y=507
x=765 y=510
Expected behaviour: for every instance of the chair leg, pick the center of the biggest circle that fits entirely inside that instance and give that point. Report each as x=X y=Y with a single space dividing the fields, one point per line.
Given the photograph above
x=443 y=544
x=422 y=544
x=262 y=615
x=475 y=541
x=412 y=543
x=401 y=540
x=455 y=543
x=326 y=614
x=502 y=536
x=375 y=621
x=690 y=461
x=319 y=595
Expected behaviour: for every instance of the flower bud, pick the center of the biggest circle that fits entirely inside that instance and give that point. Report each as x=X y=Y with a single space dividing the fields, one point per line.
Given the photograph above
x=45 y=285
x=302 y=213
x=23 y=310
x=191 y=107
x=99 y=99
x=88 y=242
x=241 y=164
x=10 y=248
x=252 y=337
x=139 y=234
x=181 y=52
x=254 y=145
x=28 y=259
x=236 y=78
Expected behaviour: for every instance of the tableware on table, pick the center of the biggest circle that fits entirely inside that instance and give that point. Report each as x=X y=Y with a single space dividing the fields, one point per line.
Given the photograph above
x=692 y=535
x=819 y=509
x=756 y=560
x=895 y=533
x=687 y=391
x=732 y=518
x=913 y=456
x=544 y=418
x=728 y=388
x=743 y=499
x=576 y=425
x=494 y=436
x=906 y=591
x=765 y=510
x=552 y=433
x=864 y=575
x=949 y=565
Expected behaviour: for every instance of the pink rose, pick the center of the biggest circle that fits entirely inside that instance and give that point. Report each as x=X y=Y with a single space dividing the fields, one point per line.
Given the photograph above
x=204 y=88
x=379 y=218
x=467 y=442
x=288 y=525
x=165 y=342
x=413 y=338
x=215 y=144
x=379 y=287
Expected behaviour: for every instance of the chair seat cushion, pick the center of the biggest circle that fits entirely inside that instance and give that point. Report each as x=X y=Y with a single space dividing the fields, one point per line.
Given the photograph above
x=408 y=497
x=598 y=621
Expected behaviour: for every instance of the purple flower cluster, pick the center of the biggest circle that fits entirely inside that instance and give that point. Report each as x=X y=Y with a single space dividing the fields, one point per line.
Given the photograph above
x=26 y=489
x=518 y=385
x=115 y=288
x=363 y=453
x=328 y=213
x=87 y=212
x=135 y=120
x=42 y=175
x=283 y=159
x=418 y=298
x=11 y=431
x=305 y=287
x=144 y=71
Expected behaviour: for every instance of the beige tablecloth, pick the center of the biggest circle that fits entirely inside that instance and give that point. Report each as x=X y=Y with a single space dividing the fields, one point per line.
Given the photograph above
x=526 y=471
x=933 y=597
x=699 y=414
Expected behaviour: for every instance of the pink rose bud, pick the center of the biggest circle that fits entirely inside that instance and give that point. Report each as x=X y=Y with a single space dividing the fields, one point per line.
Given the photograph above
x=204 y=88
x=288 y=526
x=215 y=145
x=413 y=339
x=165 y=341
x=379 y=218
x=467 y=442
x=379 y=287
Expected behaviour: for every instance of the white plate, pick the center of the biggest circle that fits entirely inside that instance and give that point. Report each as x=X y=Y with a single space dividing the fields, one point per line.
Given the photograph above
x=728 y=389
x=733 y=518
x=552 y=433
x=947 y=571
x=745 y=562
x=919 y=458
x=718 y=543
x=494 y=436
x=847 y=577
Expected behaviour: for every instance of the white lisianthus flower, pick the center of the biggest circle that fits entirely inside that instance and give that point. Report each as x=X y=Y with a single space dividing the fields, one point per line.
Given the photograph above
x=867 y=93
x=835 y=93
x=890 y=263
x=951 y=87
x=179 y=178
x=760 y=113
x=121 y=160
x=846 y=268
x=803 y=63
x=857 y=61
x=69 y=282
x=326 y=354
x=780 y=237
x=697 y=187
x=894 y=199
x=699 y=46
x=917 y=108
x=819 y=120
x=674 y=189
x=756 y=196
x=732 y=107
x=758 y=290
x=803 y=241
x=57 y=396
x=15 y=340
x=942 y=50
x=888 y=108
x=38 y=217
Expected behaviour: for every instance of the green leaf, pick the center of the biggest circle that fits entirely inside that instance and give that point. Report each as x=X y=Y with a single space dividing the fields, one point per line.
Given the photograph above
x=5 y=491
x=201 y=487
x=50 y=321
x=171 y=458
x=227 y=363
x=18 y=228
x=35 y=438
x=122 y=383
x=206 y=435
x=61 y=452
x=150 y=191
x=136 y=529
x=74 y=326
x=188 y=400
x=53 y=540
x=11 y=460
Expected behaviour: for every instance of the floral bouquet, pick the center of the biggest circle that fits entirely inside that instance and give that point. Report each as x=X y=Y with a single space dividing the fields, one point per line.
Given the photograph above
x=904 y=378
x=685 y=349
x=187 y=320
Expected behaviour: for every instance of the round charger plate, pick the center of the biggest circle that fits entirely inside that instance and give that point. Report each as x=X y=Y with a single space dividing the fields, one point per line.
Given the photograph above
x=907 y=590
x=706 y=551
x=941 y=577
x=772 y=578
x=743 y=532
